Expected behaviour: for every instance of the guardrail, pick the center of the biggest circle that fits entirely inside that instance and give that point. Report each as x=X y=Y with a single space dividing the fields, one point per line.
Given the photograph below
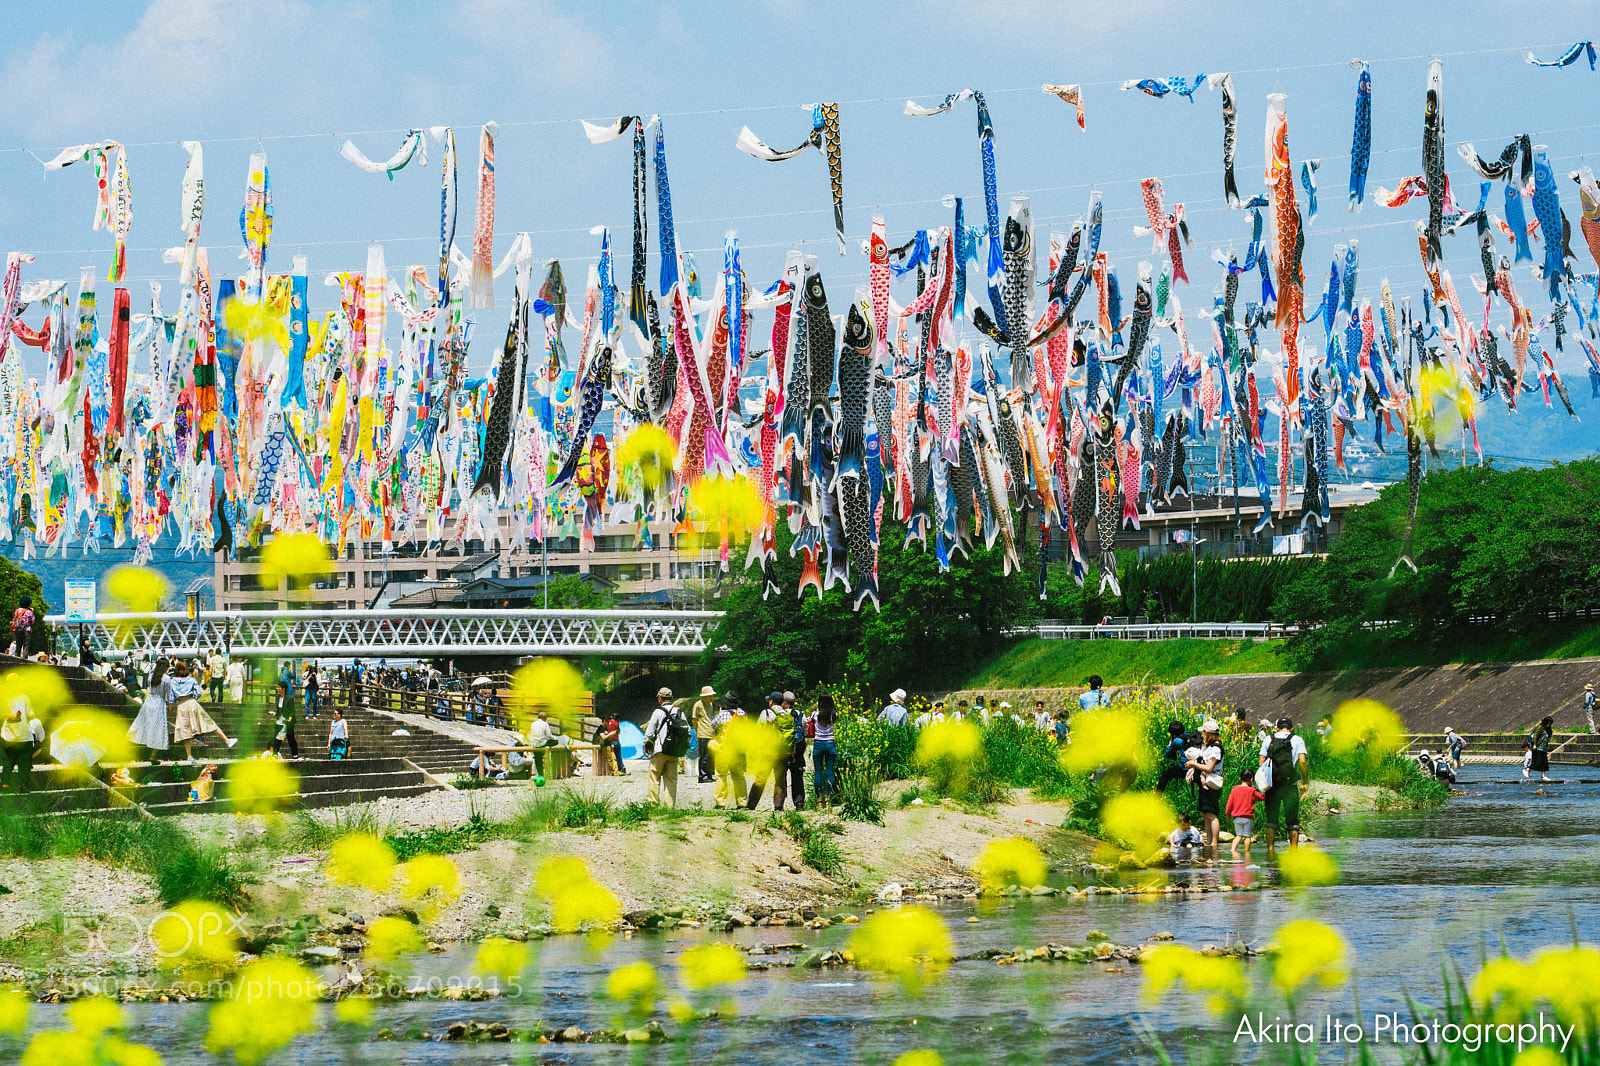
x=402 y=633
x=1162 y=631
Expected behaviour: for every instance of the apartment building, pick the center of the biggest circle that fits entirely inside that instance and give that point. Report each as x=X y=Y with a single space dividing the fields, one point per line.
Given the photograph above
x=365 y=574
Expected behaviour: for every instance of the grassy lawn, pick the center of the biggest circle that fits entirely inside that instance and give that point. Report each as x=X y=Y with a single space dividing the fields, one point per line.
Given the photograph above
x=1062 y=663
x=1038 y=663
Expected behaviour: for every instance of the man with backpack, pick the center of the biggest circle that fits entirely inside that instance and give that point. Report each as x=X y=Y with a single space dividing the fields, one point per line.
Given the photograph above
x=1283 y=755
x=796 y=765
x=666 y=738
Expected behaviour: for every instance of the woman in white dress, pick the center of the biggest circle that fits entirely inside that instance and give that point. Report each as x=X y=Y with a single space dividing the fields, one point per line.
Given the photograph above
x=149 y=728
x=235 y=678
x=182 y=691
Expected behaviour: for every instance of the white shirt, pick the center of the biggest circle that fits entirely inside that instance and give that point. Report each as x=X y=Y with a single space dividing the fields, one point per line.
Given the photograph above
x=340 y=730
x=1297 y=746
x=539 y=734
x=1185 y=838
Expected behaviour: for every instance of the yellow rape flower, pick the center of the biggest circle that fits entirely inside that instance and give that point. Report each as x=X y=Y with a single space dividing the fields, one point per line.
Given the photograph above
x=1139 y=819
x=1567 y=978
x=260 y=786
x=576 y=898
x=353 y=1010
x=1307 y=865
x=651 y=449
x=730 y=508
x=1538 y=1056
x=1307 y=951
x=1221 y=976
x=553 y=686
x=94 y=1015
x=42 y=687
x=1013 y=861
x=920 y=1057
x=706 y=966
x=136 y=589
x=273 y=1002
x=195 y=932
x=1367 y=726
x=1105 y=736
x=634 y=986
x=905 y=943
x=758 y=743
x=296 y=556
x=360 y=859
x=13 y=1010
x=390 y=938
x=501 y=959
x=431 y=876
x=949 y=740
x=59 y=1047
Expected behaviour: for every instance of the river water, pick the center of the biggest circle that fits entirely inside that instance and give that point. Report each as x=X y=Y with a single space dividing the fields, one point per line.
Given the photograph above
x=1419 y=891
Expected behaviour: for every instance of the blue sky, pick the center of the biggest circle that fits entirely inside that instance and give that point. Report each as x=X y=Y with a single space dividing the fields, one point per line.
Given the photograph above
x=301 y=76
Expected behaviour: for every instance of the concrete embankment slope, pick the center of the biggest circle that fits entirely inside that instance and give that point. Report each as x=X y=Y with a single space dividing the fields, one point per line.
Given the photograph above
x=1471 y=697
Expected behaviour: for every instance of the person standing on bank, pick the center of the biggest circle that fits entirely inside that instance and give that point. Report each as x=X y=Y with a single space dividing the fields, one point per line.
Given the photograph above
x=1206 y=765
x=1284 y=752
x=182 y=692
x=666 y=740
x=216 y=667
x=284 y=717
x=704 y=711
x=1588 y=706
x=150 y=727
x=824 y=753
x=773 y=717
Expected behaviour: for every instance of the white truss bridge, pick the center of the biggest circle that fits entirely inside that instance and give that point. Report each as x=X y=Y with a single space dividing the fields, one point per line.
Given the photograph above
x=402 y=634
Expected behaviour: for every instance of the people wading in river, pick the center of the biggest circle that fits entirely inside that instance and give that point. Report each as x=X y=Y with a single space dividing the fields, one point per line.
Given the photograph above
x=1284 y=752
x=1536 y=749
x=1206 y=766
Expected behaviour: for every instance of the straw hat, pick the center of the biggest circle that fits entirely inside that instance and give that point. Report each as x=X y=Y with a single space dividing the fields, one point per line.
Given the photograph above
x=707 y=690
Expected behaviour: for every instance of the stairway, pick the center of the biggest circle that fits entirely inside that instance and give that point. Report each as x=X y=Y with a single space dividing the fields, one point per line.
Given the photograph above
x=1566 y=749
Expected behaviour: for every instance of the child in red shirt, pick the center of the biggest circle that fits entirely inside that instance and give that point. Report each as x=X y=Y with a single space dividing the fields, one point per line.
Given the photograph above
x=1242 y=809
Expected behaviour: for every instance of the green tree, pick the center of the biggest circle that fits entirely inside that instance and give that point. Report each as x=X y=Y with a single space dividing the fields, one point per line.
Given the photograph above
x=932 y=626
x=16 y=583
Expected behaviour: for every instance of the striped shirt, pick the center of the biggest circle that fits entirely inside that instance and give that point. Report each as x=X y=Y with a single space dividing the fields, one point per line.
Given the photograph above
x=824 y=732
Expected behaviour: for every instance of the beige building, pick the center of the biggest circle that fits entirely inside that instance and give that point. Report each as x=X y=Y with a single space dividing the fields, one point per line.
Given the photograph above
x=366 y=575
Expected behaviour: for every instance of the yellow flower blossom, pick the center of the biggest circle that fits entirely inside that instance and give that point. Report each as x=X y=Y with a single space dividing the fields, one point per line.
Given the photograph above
x=273 y=1002
x=949 y=740
x=296 y=556
x=651 y=449
x=501 y=959
x=59 y=1047
x=135 y=589
x=1307 y=865
x=1139 y=819
x=920 y=1057
x=194 y=932
x=361 y=859
x=93 y=1016
x=13 y=1010
x=1012 y=861
x=46 y=693
x=730 y=508
x=1367 y=726
x=354 y=1010
x=757 y=743
x=634 y=986
x=390 y=938
x=1566 y=978
x=706 y=966
x=1307 y=951
x=1538 y=1056
x=431 y=877
x=576 y=899
x=1106 y=736
x=553 y=686
x=905 y=943
x=1221 y=976
x=259 y=786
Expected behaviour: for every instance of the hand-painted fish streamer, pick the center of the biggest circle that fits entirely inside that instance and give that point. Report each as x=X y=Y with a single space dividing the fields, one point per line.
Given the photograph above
x=1361 y=138
x=1567 y=58
x=1069 y=94
x=991 y=196
x=824 y=137
x=1230 y=134
x=414 y=147
x=483 y=221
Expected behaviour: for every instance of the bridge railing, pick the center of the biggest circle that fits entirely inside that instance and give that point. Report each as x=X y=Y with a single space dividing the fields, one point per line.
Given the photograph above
x=402 y=633
x=1160 y=631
